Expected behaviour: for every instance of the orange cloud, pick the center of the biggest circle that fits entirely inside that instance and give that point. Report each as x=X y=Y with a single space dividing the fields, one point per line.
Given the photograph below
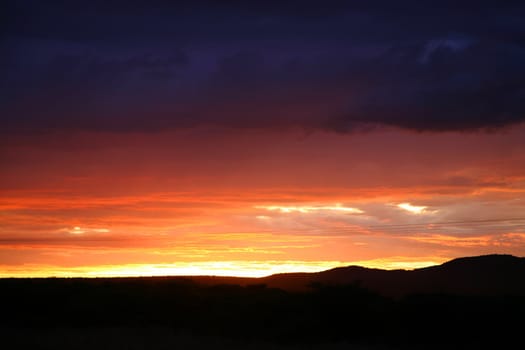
x=109 y=199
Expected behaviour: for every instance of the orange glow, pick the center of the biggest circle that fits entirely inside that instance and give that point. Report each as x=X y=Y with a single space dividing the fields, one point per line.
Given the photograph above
x=223 y=268
x=310 y=208
x=265 y=202
x=412 y=208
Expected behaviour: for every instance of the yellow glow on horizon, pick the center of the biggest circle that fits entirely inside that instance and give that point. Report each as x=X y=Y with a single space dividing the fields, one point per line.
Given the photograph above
x=219 y=268
x=401 y=263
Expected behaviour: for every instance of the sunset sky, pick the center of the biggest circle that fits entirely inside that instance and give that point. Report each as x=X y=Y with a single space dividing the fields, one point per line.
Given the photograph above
x=249 y=138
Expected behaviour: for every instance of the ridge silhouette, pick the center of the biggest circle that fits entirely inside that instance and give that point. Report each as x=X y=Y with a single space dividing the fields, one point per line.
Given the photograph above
x=466 y=302
x=494 y=274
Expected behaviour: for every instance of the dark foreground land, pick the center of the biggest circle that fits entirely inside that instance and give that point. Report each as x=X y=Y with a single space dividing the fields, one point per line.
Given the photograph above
x=466 y=303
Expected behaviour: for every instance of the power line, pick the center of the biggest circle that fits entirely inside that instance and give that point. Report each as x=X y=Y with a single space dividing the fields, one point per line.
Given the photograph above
x=442 y=223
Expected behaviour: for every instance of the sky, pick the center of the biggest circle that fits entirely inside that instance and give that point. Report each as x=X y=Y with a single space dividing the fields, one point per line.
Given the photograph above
x=250 y=138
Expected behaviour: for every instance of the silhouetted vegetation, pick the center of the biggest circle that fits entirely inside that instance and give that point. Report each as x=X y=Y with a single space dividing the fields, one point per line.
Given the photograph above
x=254 y=313
x=346 y=313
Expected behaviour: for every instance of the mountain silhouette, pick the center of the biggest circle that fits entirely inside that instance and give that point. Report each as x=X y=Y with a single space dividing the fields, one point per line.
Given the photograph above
x=474 y=302
x=481 y=275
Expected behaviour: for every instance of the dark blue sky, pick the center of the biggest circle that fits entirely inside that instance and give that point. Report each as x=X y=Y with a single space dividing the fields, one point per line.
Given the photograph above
x=250 y=137
x=335 y=65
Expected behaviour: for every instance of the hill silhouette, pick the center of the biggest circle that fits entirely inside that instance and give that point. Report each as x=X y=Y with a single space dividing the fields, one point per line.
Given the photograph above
x=466 y=302
x=481 y=275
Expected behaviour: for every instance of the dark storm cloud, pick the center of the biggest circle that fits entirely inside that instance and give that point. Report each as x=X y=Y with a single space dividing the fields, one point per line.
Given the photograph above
x=141 y=66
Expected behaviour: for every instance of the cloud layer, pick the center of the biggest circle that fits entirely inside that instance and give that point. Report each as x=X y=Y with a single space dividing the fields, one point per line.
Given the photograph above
x=115 y=66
